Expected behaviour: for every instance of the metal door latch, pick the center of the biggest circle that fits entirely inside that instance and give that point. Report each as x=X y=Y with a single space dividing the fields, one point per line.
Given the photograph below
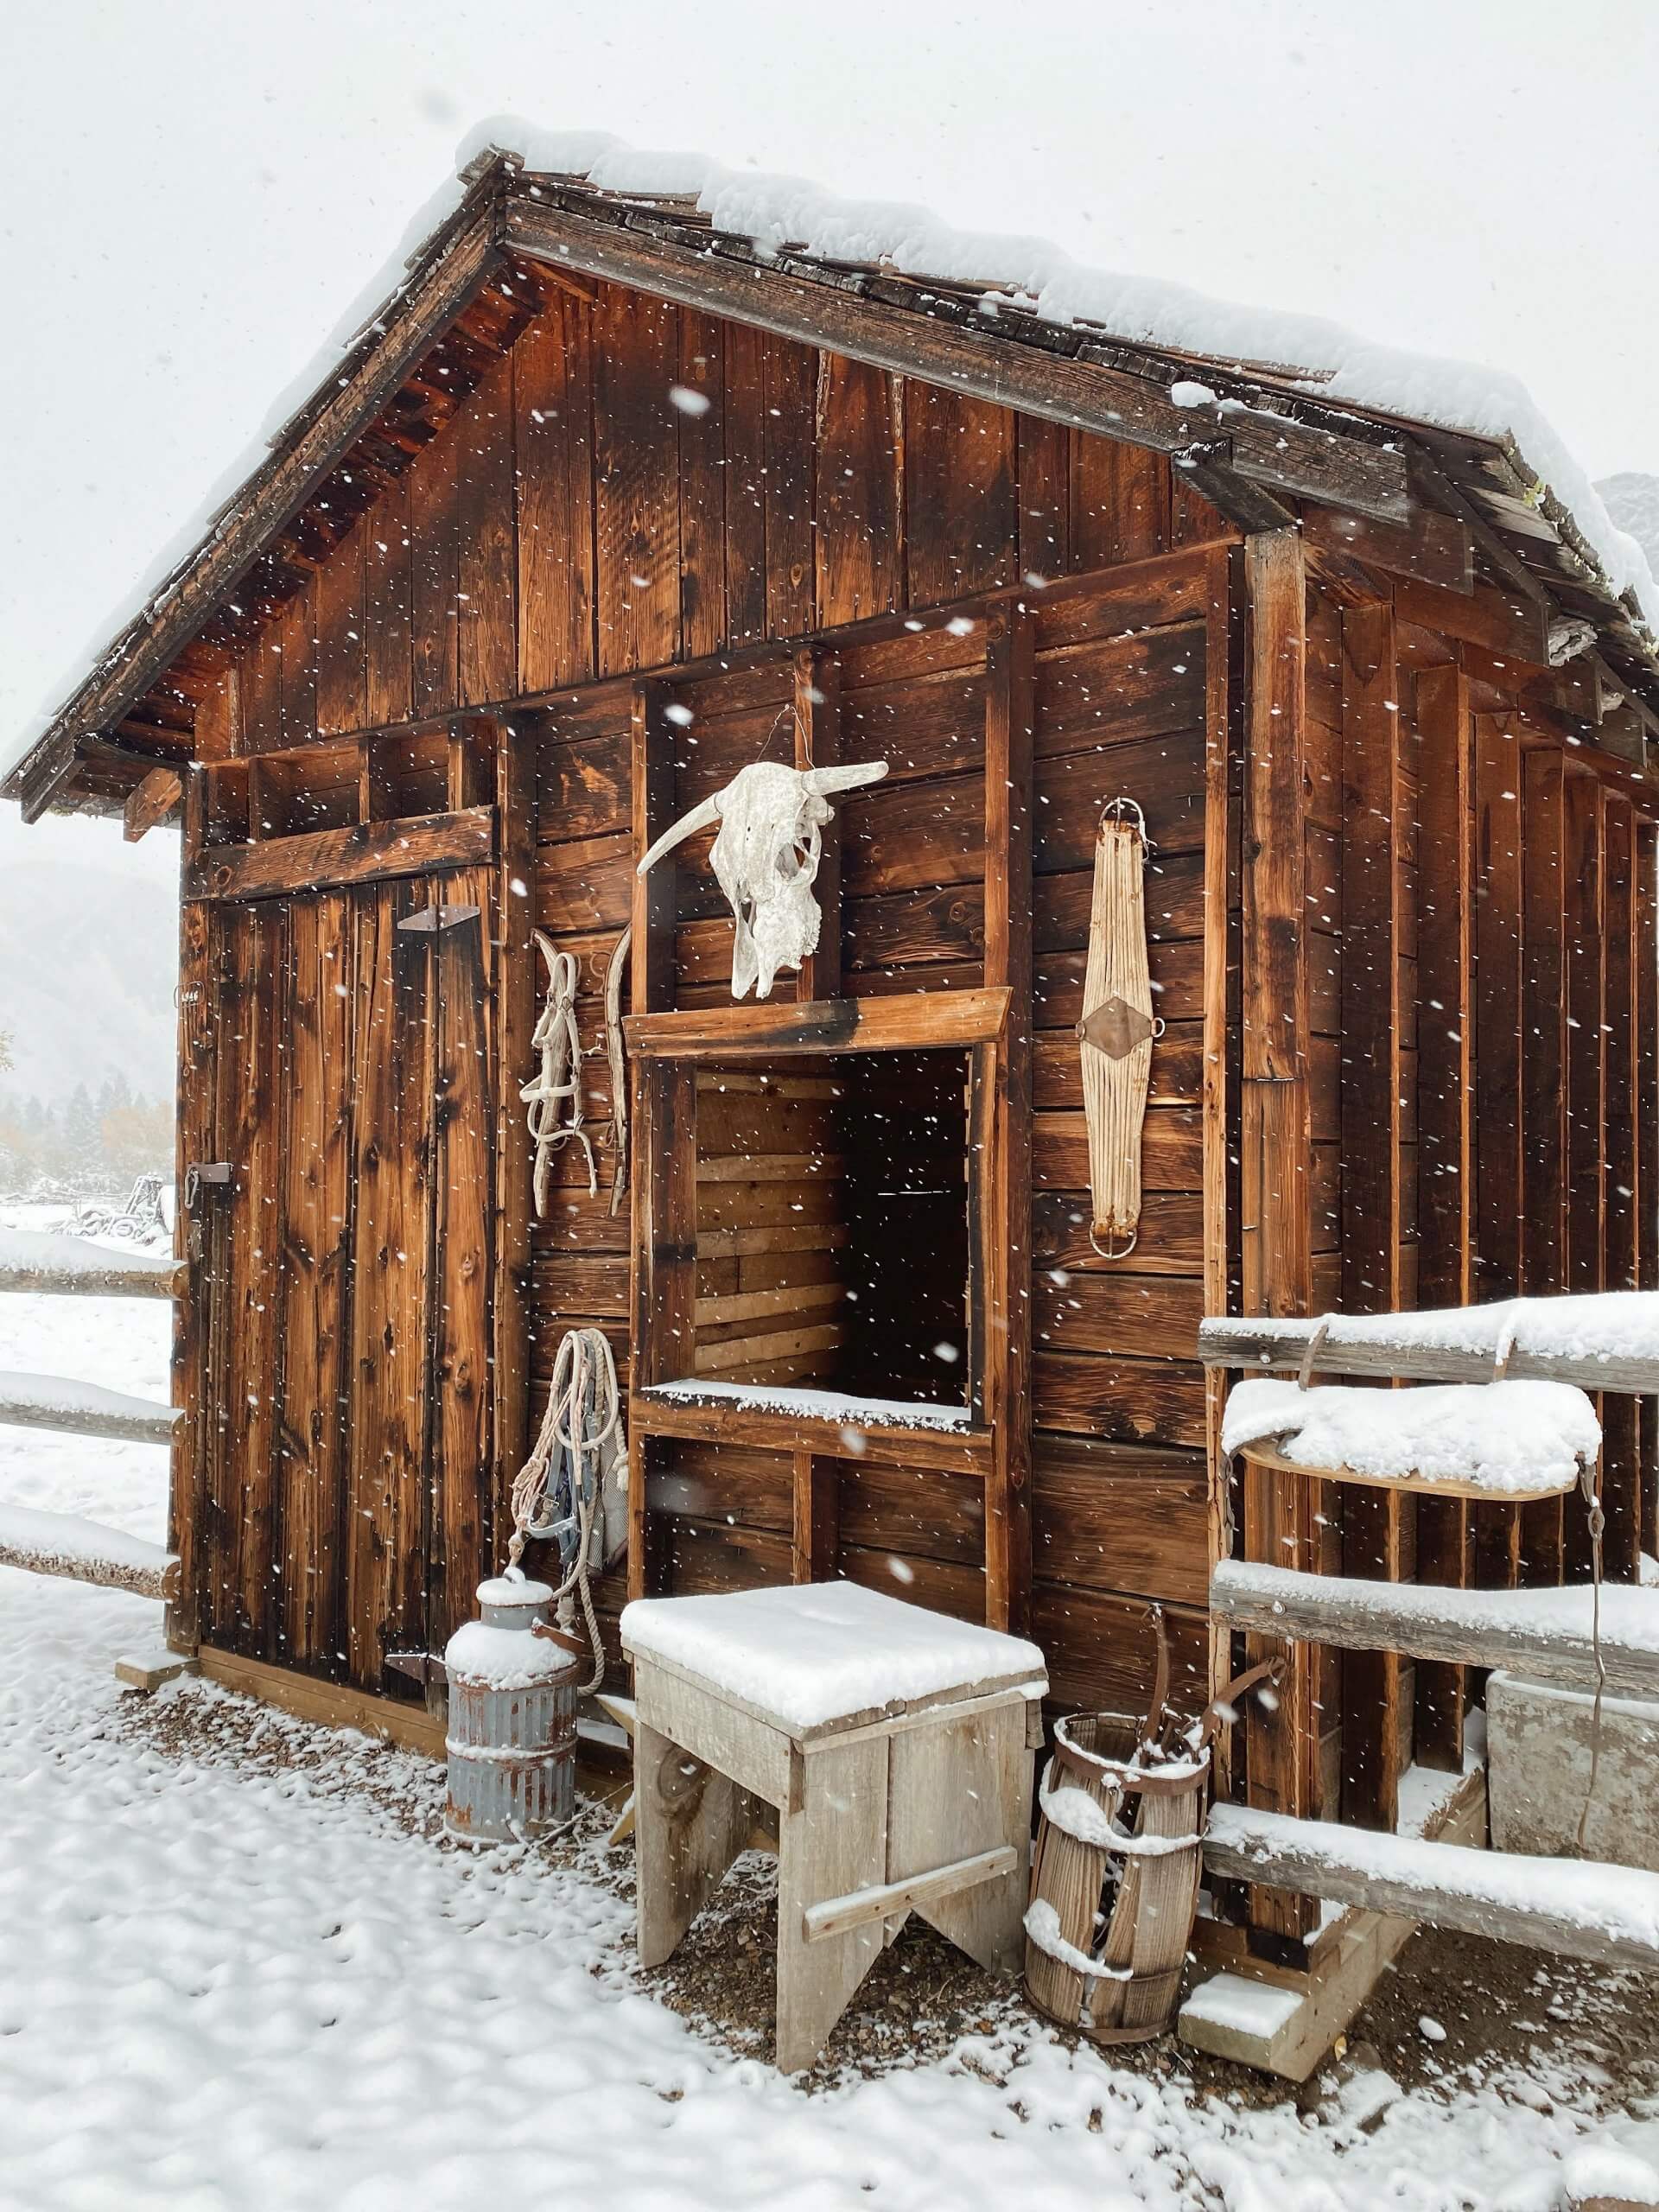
x=203 y=1171
x=432 y=919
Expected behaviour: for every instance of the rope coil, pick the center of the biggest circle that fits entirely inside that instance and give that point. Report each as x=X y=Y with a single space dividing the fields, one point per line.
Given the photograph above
x=583 y=1414
x=557 y=1081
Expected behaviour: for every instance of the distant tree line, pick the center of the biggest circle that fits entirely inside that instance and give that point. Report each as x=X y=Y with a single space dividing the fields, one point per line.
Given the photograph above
x=84 y=1145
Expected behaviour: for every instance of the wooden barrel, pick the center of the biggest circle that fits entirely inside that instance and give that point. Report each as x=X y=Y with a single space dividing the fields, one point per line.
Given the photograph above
x=1119 y=1839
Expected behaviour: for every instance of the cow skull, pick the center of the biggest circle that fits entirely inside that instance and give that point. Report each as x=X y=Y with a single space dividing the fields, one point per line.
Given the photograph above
x=766 y=857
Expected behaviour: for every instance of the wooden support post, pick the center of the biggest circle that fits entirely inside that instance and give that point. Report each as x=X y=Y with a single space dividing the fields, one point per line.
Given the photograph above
x=1621 y=1476
x=1446 y=1151
x=1585 y=1077
x=1373 y=1536
x=1498 y=1074
x=818 y=745
x=665 y=1263
x=515 y=967
x=1543 y=1096
x=1277 y=1224
x=1005 y=1350
x=656 y=896
x=815 y=1534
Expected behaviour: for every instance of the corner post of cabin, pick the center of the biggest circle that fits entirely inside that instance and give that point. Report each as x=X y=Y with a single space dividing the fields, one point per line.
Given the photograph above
x=1275 y=1204
x=1010 y=666
x=197 y=943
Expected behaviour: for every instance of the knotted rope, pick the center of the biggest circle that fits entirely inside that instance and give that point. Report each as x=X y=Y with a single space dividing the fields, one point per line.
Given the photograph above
x=583 y=1370
x=558 y=1079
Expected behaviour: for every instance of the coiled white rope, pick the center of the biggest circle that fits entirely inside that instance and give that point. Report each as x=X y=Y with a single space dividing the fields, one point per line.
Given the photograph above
x=583 y=1362
x=558 y=1079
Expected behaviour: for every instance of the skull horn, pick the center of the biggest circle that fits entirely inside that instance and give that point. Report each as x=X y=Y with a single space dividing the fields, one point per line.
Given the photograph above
x=824 y=780
x=706 y=810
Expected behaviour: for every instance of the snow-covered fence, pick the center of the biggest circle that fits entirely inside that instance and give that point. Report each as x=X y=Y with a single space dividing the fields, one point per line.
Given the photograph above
x=1549 y=1635
x=1604 y=1340
x=66 y=1266
x=59 y=1543
x=85 y=1551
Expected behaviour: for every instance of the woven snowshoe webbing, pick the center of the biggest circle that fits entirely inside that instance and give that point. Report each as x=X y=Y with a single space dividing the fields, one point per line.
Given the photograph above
x=1117 y=1032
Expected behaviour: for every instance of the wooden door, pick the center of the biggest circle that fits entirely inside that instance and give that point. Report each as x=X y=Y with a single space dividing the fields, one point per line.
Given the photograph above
x=340 y=1444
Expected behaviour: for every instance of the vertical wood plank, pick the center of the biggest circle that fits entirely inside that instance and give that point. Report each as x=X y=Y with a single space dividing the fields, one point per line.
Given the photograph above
x=390 y=1251
x=253 y=1381
x=703 y=484
x=1621 y=1486
x=389 y=609
x=664 y=1263
x=860 y=479
x=193 y=1447
x=790 y=374
x=553 y=408
x=342 y=690
x=637 y=513
x=1276 y=1213
x=655 y=897
x=1372 y=818
x=1498 y=1075
x=1646 y=1141
x=463 y=1446
x=435 y=574
x=1010 y=648
x=1446 y=1171
x=1544 y=1101
x=261 y=692
x=814 y=1516
x=515 y=968
x=744 y=416
x=1223 y=627
x=1044 y=467
x=1120 y=502
x=488 y=639
x=962 y=518
x=1586 y=1080
x=818 y=745
x=297 y=644
x=314 y=1311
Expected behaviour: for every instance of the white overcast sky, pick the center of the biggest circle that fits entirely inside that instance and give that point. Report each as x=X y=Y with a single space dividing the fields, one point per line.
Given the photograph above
x=194 y=193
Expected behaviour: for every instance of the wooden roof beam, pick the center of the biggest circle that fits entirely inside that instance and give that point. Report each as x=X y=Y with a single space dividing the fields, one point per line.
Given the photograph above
x=1274 y=451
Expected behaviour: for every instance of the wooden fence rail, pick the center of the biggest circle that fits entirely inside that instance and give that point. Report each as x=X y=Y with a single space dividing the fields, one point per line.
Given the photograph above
x=1259 y=1346
x=67 y=1266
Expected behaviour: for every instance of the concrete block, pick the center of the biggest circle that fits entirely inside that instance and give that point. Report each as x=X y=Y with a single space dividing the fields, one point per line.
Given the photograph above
x=1539 y=1738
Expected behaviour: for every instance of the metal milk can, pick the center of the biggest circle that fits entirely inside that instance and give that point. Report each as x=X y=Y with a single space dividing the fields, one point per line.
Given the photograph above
x=513 y=1718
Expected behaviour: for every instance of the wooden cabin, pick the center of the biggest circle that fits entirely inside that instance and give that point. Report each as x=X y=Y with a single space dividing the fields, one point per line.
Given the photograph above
x=606 y=503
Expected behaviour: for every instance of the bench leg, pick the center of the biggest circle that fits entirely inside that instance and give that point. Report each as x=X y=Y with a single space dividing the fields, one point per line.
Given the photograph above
x=691 y=1823
x=956 y=1790
x=836 y=1843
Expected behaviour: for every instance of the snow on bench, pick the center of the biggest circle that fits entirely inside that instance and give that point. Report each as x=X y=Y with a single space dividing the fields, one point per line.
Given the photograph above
x=82 y=1408
x=1545 y=1634
x=1504 y=1439
x=1584 y=1909
x=83 y=1551
x=1604 y=1340
x=32 y=1259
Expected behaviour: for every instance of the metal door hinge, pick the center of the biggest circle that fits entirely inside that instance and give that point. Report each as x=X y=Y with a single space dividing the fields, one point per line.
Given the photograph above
x=432 y=919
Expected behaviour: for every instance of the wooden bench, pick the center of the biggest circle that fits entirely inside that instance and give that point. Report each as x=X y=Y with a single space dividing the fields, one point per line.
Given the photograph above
x=884 y=1751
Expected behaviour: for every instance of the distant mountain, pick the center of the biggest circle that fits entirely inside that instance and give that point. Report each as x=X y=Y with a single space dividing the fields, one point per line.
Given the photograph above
x=88 y=963
x=1632 y=499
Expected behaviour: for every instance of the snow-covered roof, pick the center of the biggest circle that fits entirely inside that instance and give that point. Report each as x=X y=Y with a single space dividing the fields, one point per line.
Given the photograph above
x=1222 y=361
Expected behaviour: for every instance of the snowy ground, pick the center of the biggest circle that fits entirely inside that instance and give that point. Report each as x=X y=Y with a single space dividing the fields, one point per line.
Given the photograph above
x=262 y=1986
